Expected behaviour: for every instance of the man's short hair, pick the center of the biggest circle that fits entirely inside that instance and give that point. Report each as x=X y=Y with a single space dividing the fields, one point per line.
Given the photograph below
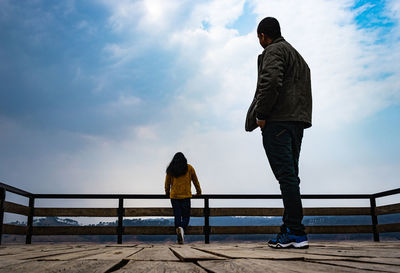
x=270 y=27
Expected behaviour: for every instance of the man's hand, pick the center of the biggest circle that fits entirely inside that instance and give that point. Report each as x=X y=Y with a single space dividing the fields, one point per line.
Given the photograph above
x=260 y=123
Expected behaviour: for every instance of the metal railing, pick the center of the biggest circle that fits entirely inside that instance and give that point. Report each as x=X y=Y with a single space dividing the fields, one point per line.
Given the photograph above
x=206 y=212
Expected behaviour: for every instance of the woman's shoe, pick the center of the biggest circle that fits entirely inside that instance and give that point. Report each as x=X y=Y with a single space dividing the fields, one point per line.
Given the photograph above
x=181 y=235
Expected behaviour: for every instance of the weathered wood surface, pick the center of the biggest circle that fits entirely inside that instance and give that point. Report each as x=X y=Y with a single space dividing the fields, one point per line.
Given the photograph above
x=394 y=208
x=14 y=229
x=160 y=266
x=16 y=208
x=99 y=212
x=279 y=211
x=195 y=212
x=157 y=253
x=395 y=227
x=189 y=254
x=113 y=253
x=346 y=256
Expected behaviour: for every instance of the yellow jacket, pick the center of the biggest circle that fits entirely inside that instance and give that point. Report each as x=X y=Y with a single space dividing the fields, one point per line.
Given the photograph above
x=180 y=187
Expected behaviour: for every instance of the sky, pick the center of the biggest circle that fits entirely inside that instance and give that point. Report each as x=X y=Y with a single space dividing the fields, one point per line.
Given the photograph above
x=97 y=96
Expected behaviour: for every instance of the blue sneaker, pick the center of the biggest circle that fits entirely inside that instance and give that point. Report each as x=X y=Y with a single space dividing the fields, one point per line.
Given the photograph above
x=287 y=240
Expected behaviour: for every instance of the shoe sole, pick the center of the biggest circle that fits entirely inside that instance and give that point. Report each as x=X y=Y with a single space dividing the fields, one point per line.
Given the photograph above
x=301 y=245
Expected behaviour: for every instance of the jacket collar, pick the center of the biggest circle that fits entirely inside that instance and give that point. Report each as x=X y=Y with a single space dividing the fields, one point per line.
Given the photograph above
x=277 y=40
x=260 y=57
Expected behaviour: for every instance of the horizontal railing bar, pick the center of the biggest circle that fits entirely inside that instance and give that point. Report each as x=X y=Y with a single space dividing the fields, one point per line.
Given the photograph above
x=388 y=209
x=145 y=212
x=192 y=230
x=209 y=196
x=386 y=193
x=15 y=190
x=14 y=229
x=100 y=196
x=276 y=229
x=195 y=212
x=11 y=207
x=160 y=230
x=279 y=211
x=74 y=230
x=394 y=227
x=112 y=230
x=87 y=212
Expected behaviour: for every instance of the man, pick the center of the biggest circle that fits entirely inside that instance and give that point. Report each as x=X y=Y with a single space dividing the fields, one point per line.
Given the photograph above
x=282 y=109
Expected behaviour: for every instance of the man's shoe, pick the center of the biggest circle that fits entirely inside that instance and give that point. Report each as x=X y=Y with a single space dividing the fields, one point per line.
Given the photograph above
x=287 y=240
x=181 y=235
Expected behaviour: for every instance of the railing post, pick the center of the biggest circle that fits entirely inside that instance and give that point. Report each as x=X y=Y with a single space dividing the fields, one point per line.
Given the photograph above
x=374 y=219
x=206 y=221
x=28 y=239
x=2 y=199
x=120 y=228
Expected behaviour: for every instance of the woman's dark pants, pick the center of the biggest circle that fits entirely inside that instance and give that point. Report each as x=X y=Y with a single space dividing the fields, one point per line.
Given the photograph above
x=282 y=142
x=181 y=209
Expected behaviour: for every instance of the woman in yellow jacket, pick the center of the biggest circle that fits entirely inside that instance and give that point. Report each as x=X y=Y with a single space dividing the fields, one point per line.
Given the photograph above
x=178 y=188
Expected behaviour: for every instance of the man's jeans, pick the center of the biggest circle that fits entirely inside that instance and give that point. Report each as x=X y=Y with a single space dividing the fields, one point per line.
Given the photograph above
x=181 y=209
x=282 y=142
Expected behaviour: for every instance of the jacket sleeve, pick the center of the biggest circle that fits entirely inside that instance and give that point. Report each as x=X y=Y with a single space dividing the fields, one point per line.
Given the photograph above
x=270 y=81
x=195 y=181
x=167 y=184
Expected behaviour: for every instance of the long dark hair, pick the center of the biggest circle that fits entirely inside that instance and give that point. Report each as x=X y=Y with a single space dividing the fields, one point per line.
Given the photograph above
x=178 y=165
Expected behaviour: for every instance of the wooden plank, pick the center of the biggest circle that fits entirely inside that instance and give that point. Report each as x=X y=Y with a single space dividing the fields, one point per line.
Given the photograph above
x=40 y=254
x=8 y=263
x=363 y=266
x=114 y=254
x=160 y=230
x=389 y=227
x=154 y=254
x=59 y=266
x=75 y=230
x=138 y=212
x=14 y=229
x=252 y=254
x=188 y=254
x=388 y=209
x=78 y=266
x=245 y=229
x=254 y=265
x=279 y=211
x=246 y=211
x=264 y=253
x=31 y=267
x=276 y=229
x=17 y=249
x=339 y=229
x=160 y=266
x=389 y=261
x=89 y=212
x=337 y=211
x=11 y=207
x=74 y=255
x=356 y=253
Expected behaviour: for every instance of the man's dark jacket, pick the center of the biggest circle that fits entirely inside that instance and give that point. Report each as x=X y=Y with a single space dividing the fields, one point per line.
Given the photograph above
x=283 y=87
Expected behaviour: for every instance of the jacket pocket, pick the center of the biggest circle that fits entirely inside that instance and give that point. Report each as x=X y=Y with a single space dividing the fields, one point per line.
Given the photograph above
x=251 y=122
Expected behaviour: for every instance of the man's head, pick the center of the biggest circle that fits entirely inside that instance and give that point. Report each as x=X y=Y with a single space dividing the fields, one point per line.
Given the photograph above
x=268 y=30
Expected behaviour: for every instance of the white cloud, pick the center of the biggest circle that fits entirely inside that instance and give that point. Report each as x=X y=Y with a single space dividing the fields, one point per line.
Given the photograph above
x=205 y=116
x=208 y=111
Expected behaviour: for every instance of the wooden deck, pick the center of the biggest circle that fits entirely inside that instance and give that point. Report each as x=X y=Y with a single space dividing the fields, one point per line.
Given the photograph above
x=346 y=256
